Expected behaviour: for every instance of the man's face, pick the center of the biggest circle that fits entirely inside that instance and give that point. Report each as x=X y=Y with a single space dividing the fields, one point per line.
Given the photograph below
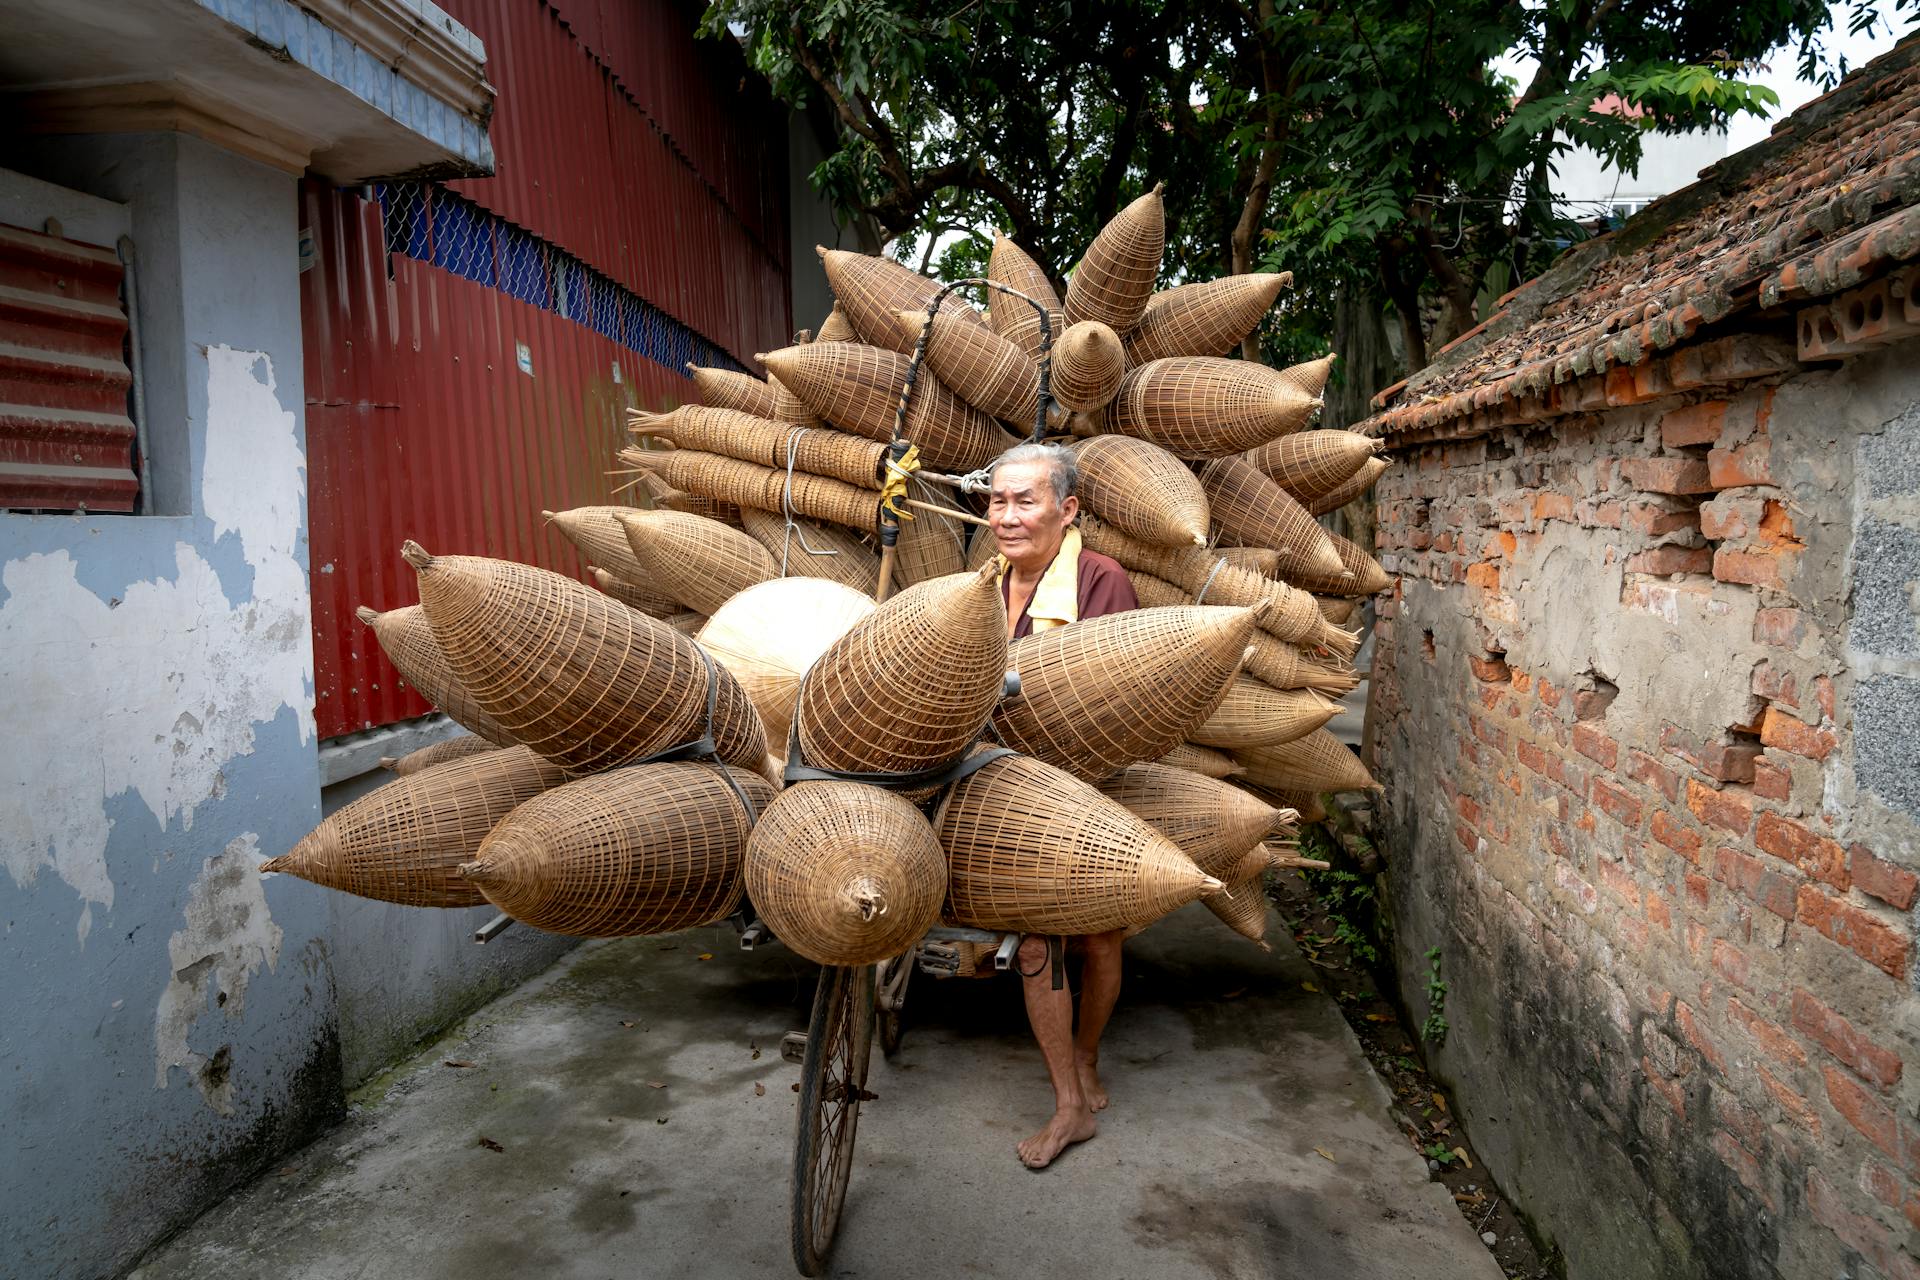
x=1027 y=520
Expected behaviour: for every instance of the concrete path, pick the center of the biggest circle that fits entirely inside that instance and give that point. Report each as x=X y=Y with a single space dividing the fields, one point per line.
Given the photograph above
x=625 y=1090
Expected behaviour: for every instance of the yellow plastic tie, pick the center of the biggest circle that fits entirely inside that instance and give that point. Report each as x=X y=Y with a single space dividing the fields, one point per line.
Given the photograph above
x=894 y=493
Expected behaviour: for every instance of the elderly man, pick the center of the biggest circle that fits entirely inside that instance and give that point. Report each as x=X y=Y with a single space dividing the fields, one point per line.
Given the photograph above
x=1050 y=580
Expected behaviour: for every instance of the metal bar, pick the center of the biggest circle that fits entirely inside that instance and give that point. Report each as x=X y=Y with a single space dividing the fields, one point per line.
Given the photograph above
x=492 y=929
x=1004 y=953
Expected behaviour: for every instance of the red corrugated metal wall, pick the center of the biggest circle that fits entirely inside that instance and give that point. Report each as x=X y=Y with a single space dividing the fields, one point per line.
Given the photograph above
x=420 y=422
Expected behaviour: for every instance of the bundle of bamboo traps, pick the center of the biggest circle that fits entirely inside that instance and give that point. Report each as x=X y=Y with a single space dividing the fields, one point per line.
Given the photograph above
x=804 y=592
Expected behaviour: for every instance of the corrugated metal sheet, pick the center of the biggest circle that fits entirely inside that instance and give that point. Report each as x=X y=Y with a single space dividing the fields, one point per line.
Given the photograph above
x=65 y=438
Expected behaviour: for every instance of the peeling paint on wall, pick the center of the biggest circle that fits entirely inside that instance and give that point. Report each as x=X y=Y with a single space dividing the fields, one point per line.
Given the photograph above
x=228 y=936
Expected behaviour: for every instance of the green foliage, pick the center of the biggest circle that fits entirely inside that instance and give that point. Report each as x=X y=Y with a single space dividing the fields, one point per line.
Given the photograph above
x=1350 y=905
x=1439 y=1153
x=1434 y=1029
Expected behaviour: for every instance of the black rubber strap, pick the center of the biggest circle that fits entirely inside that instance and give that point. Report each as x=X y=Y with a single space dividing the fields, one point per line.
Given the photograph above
x=703 y=748
x=939 y=775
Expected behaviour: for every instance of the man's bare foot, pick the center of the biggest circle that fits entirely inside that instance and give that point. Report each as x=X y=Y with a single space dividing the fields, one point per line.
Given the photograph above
x=1090 y=1087
x=1065 y=1129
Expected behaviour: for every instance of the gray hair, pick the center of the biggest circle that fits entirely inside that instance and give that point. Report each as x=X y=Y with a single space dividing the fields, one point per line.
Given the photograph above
x=1062 y=467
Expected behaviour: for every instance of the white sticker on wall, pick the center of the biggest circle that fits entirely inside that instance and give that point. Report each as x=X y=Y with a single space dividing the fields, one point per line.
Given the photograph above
x=616 y=373
x=523 y=355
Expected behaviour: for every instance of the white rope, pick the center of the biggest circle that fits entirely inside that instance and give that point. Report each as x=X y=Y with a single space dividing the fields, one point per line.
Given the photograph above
x=786 y=509
x=1217 y=566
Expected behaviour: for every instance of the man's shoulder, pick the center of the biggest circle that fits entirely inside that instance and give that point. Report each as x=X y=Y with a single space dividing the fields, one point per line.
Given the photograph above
x=1093 y=564
x=1104 y=586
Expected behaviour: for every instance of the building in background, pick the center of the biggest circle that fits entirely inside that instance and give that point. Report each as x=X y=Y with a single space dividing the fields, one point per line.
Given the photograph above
x=1588 y=189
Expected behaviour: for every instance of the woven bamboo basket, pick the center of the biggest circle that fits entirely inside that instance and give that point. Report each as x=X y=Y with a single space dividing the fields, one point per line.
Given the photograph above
x=597 y=532
x=1204 y=761
x=650 y=603
x=1013 y=319
x=1206 y=319
x=686 y=622
x=1032 y=848
x=912 y=685
x=984 y=548
x=817 y=450
x=661 y=494
x=1156 y=593
x=1255 y=715
x=1242 y=905
x=1115 y=278
x=1338 y=610
x=1250 y=509
x=762 y=488
x=789 y=408
x=870 y=292
x=1213 y=823
x=1361 y=574
x=410 y=644
x=1280 y=665
x=1088 y=363
x=1311 y=377
x=1141 y=489
x=730 y=389
x=768 y=636
x=1264 y=561
x=1362 y=480
x=930 y=545
x=809 y=549
x=986 y=370
x=699 y=561
x=1200 y=407
x=1316 y=762
x=1113 y=691
x=403 y=842
x=457 y=748
x=583 y=680
x=857 y=388
x=1309 y=464
x=845 y=873
x=650 y=849
x=835 y=328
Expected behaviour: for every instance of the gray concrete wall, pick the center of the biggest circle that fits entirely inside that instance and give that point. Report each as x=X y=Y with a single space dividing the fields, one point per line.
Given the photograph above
x=810 y=222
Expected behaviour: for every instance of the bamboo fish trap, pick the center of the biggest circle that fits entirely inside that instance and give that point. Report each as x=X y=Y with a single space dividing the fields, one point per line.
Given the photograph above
x=1156 y=593
x=732 y=390
x=857 y=388
x=811 y=550
x=1280 y=665
x=1310 y=464
x=912 y=685
x=409 y=643
x=583 y=680
x=789 y=409
x=1088 y=363
x=694 y=559
x=649 y=849
x=1361 y=574
x=596 y=531
x=1311 y=377
x=763 y=488
x=1338 y=610
x=687 y=622
x=1115 y=278
x=1034 y=849
x=870 y=292
x=835 y=328
x=1200 y=407
x=1013 y=319
x=1205 y=319
x=1362 y=480
x=647 y=602
x=989 y=372
x=817 y=450
x=1142 y=490
x=1112 y=691
x=1264 y=561
x=768 y=635
x=1316 y=762
x=1251 y=509
x=403 y=842
x=930 y=545
x=845 y=873
x=1254 y=715
x=1242 y=905
x=1213 y=823
x=1204 y=761
x=456 y=748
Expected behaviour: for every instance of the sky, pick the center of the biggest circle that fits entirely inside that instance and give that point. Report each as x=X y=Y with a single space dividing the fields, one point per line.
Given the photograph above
x=1747 y=130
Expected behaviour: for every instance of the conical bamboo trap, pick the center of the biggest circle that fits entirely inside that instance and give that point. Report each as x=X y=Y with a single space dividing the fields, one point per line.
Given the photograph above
x=1088 y=363
x=788 y=409
x=407 y=639
x=835 y=328
x=1338 y=610
x=1205 y=319
x=762 y=488
x=1115 y=278
x=1204 y=761
x=1362 y=480
x=696 y=560
x=808 y=549
x=583 y=680
x=871 y=292
x=845 y=873
x=1156 y=593
x=1280 y=665
x=1142 y=490
x=647 y=849
x=405 y=841
x=650 y=603
x=1032 y=848
x=1256 y=715
x=596 y=532
x=986 y=370
x=857 y=388
x=1310 y=378
x=457 y=748
x=1361 y=574
x=1012 y=318
x=730 y=389
x=1213 y=823
x=768 y=635
x=1109 y=692
x=1251 y=509
x=1316 y=762
x=1242 y=905
x=686 y=622
x=1310 y=464
x=1200 y=407
x=817 y=450
x=1264 y=561
x=930 y=545
x=912 y=685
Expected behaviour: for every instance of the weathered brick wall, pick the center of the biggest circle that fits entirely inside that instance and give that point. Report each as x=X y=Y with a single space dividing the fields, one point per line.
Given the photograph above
x=1646 y=704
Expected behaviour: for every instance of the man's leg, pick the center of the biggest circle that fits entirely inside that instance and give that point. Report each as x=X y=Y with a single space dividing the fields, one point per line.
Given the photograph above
x=1051 y=1013
x=1099 y=989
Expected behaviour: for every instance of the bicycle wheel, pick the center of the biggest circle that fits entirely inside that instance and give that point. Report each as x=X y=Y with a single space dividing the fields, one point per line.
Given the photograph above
x=833 y=1078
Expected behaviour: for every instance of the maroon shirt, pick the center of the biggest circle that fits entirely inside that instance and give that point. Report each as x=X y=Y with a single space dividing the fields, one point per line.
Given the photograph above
x=1102 y=588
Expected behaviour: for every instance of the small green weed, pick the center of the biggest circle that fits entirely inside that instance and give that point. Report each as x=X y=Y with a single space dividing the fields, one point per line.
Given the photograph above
x=1434 y=1029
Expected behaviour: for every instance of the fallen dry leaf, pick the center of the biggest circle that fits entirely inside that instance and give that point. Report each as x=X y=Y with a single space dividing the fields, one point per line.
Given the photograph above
x=1325 y=1154
x=1379 y=1017
x=625 y=1023
x=1308 y=986
x=756 y=1053
x=490 y=1144
x=1465 y=1159
x=704 y=955
x=1234 y=995
x=1440 y=1101
x=656 y=1084
x=456 y=1062
x=759 y=1090
x=795 y=1086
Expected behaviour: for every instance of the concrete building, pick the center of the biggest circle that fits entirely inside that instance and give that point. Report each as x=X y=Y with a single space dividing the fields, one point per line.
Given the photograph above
x=1587 y=188
x=211 y=314
x=1645 y=706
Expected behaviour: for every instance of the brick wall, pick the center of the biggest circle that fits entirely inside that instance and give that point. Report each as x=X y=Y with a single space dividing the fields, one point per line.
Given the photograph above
x=1646 y=702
